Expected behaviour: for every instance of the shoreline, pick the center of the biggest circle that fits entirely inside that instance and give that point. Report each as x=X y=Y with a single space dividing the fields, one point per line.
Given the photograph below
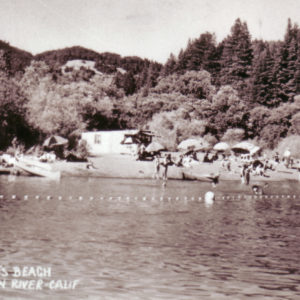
x=124 y=166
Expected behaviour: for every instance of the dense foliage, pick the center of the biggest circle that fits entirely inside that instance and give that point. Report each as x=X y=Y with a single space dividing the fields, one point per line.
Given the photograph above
x=237 y=89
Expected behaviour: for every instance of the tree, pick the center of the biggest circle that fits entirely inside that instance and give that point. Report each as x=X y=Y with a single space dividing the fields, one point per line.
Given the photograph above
x=288 y=61
x=295 y=122
x=12 y=114
x=262 y=75
x=278 y=124
x=233 y=135
x=258 y=120
x=237 y=55
x=183 y=58
x=66 y=106
x=175 y=126
x=227 y=111
x=32 y=77
x=191 y=83
x=169 y=66
x=201 y=52
x=3 y=62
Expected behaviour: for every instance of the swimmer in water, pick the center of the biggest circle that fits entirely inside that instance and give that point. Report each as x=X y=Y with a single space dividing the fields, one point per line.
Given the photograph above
x=257 y=189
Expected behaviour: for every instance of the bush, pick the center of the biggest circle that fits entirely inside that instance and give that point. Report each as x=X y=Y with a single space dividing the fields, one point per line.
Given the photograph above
x=233 y=135
x=293 y=143
x=174 y=127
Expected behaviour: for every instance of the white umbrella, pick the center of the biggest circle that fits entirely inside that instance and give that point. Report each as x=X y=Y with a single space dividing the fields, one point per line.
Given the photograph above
x=55 y=140
x=245 y=146
x=221 y=146
x=154 y=147
x=192 y=144
x=254 y=150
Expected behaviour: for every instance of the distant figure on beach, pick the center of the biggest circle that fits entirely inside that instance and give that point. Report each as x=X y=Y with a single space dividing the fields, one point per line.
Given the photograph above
x=287 y=157
x=276 y=157
x=226 y=164
x=166 y=163
x=157 y=166
x=245 y=174
x=206 y=158
x=179 y=162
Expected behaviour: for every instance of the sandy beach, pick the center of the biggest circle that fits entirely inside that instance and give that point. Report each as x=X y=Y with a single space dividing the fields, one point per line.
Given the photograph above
x=125 y=166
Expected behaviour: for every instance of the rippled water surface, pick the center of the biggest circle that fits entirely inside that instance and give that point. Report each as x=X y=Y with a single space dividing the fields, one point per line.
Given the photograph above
x=134 y=239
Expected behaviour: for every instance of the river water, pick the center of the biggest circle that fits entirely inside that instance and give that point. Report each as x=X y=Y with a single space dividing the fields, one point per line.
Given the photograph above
x=134 y=239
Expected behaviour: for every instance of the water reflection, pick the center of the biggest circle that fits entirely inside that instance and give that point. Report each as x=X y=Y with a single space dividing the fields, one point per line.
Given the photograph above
x=137 y=240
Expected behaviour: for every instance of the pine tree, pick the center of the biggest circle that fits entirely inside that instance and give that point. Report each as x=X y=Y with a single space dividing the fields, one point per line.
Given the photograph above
x=4 y=62
x=288 y=60
x=237 y=55
x=183 y=58
x=261 y=76
x=169 y=66
x=297 y=66
x=201 y=51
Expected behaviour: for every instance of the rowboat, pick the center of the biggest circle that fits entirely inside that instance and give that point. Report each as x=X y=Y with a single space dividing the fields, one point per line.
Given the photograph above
x=5 y=170
x=200 y=177
x=37 y=168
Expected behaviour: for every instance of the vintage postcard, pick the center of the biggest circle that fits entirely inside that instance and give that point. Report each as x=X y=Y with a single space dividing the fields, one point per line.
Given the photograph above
x=149 y=149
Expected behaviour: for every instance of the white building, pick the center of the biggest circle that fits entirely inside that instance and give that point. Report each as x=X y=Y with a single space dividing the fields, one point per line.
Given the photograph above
x=110 y=142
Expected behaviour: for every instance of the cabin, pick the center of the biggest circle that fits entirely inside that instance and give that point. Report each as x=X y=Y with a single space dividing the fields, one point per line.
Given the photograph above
x=116 y=141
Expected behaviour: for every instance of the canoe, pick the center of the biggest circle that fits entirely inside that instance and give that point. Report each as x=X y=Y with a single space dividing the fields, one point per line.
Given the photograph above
x=33 y=162
x=5 y=170
x=200 y=177
x=37 y=168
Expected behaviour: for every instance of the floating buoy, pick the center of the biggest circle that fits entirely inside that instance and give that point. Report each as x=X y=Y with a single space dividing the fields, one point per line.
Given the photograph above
x=209 y=198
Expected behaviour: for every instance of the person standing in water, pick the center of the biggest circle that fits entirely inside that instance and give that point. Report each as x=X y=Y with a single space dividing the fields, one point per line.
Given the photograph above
x=157 y=166
x=245 y=174
x=166 y=163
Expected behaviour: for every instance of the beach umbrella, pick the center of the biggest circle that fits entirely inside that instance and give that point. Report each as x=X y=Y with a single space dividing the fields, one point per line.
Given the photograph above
x=154 y=147
x=221 y=146
x=203 y=146
x=244 y=147
x=254 y=150
x=55 y=140
x=127 y=140
x=192 y=144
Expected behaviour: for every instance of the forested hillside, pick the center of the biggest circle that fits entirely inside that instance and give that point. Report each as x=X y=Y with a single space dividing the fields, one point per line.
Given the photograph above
x=236 y=89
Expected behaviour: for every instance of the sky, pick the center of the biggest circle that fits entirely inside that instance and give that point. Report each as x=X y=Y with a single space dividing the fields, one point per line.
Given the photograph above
x=146 y=28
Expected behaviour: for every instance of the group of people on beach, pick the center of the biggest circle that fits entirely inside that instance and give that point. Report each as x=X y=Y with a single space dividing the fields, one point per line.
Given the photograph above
x=163 y=163
x=249 y=165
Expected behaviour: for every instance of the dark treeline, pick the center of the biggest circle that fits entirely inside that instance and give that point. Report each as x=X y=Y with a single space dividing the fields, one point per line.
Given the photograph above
x=236 y=89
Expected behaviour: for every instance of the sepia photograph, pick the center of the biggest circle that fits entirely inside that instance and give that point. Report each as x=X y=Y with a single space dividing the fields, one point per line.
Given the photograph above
x=150 y=149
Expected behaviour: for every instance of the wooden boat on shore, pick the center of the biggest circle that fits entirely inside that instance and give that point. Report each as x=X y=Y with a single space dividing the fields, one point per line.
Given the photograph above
x=4 y=170
x=214 y=178
x=37 y=168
